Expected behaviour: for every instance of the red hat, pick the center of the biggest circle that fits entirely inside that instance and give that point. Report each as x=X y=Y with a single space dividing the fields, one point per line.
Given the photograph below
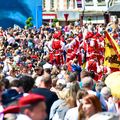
x=59 y=33
x=30 y=99
x=115 y=35
x=30 y=65
x=89 y=35
x=12 y=109
x=80 y=35
x=56 y=36
x=97 y=35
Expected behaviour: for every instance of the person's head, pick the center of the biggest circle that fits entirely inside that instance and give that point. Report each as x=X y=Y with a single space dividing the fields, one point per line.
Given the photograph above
x=24 y=70
x=85 y=74
x=46 y=81
x=106 y=92
x=91 y=105
x=87 y=83
x=39 y=70
x=33 y=106
x=17 y=85
x=99 y=86
x=27 y=83
x=6 y=83
x=2 y=87
x=73 y=77
x=47 y=71
x=47 y=58
x=54 y=82
x=71 y=99
x=80 y=94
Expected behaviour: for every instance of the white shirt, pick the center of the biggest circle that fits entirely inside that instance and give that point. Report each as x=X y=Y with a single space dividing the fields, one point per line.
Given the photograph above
x=47 y=66
x=23 y=117
x=11 y=40
x=72 y=114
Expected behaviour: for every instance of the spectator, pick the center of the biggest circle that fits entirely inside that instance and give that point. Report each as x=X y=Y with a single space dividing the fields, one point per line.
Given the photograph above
x=27 y=83
x=32 y=107
x=69 y=115
x=44 y=89
x=88 y=84
x=90 y=106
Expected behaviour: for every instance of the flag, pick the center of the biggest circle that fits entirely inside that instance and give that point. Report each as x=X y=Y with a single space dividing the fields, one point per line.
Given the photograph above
x=112 y=52
x=79 y=3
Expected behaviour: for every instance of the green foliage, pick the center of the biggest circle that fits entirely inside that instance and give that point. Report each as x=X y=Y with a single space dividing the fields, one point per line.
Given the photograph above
x=55 y=20
x=30 y=18
x=29 y=22
x=54 y=24
x=89 y=18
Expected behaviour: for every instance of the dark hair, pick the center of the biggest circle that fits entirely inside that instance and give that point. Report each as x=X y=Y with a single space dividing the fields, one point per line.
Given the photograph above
x=47 y=70
x=6 y=83
x=16 y=83
x=81 y=93
x=85 y=74
x=27 y=83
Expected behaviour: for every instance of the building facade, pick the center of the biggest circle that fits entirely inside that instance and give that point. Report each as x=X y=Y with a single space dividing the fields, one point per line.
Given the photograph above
x=91 y=10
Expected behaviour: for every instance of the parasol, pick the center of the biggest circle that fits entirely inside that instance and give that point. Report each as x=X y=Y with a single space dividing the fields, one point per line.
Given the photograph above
x=113 y=82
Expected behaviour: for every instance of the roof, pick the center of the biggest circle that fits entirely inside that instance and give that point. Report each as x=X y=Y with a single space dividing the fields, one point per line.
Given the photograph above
x=115 y=8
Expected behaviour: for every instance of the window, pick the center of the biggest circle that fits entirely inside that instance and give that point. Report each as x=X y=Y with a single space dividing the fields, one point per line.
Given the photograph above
x=68 y=4
x=52 y=3
x=74 y=4
x=101 y=2
x=89 y=2
x=44 y=4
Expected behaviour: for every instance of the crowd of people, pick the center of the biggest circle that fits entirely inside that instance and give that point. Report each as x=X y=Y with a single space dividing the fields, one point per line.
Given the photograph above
x=55 y=73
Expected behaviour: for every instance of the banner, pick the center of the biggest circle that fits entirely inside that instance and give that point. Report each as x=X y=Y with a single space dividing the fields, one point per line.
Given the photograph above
x=79 y=3
x=112 y=52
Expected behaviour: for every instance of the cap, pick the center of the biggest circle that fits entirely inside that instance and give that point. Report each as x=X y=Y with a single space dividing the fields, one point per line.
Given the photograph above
x=11 y=109
x=10 y=96
x=56 y=36
x=47 y=66
x=30 y=99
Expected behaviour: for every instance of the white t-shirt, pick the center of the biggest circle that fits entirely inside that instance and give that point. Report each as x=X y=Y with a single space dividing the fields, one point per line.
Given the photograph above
x=70 y=116
x=23 y=117
x=11 y=40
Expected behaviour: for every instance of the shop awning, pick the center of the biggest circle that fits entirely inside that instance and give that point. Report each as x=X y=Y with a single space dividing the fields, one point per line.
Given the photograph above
x=49 y=16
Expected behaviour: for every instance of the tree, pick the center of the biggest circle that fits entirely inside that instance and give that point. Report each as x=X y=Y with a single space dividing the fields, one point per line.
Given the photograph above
x=29 y=22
